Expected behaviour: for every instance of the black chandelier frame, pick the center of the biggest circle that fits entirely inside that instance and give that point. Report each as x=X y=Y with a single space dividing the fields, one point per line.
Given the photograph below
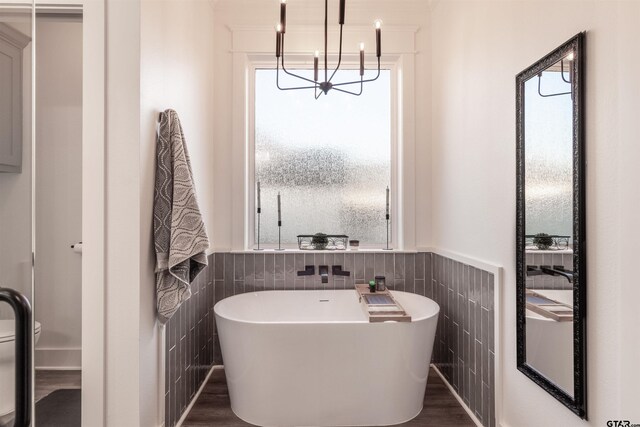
x=327 y=85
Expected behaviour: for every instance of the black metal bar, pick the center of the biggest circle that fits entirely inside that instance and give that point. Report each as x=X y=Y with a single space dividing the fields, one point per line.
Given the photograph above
x=349 y=92
x=533 y=270
x=326 y=42
x=292 y=74
x=309 y=270
x=551 y=94
x=288 y=88
x=338 y=271
x=361 y=80
x=557 y=271
x=279 y=229
x=339 y=57
x=24 y=350
x=387 y=219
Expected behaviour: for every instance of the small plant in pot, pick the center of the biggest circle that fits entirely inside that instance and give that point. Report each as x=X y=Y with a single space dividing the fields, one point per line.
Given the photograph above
x=319 y=241
x=543 y=241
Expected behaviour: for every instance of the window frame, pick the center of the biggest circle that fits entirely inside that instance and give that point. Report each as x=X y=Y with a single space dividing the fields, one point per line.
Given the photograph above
x=298 y=62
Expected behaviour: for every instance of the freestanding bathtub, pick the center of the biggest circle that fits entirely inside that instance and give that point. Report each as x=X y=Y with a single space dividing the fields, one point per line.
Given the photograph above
x=311 y=358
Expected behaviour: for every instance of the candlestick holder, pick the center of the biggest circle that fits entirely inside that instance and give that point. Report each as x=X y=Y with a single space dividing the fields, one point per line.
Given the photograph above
x=279 y=236
x=258 y=238
x=387 y=248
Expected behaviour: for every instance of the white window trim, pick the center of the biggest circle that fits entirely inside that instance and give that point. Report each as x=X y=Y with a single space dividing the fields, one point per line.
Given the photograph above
x=296 y=62
x=252 y=49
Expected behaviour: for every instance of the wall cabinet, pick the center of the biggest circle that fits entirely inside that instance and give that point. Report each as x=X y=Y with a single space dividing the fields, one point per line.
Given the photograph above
x=12 y=44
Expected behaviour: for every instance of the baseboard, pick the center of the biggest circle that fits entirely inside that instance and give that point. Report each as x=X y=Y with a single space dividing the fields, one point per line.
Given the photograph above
x=457 y=396
x=58 y=358
x=195 y=397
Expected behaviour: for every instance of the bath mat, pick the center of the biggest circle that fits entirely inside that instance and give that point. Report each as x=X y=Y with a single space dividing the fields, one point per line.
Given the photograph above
x=60 y=408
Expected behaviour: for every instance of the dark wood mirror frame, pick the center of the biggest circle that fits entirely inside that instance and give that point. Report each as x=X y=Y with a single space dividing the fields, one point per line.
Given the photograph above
x=577 y=403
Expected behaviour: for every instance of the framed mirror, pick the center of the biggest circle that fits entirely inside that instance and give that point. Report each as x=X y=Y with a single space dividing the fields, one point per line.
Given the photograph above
x=550 y=224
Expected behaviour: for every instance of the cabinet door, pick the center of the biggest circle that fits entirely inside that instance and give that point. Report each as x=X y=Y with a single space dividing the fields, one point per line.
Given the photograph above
x=11 y=91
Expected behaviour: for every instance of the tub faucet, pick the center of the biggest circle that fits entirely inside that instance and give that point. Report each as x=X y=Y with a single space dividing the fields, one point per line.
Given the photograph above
x=324 y=273
x=557 y=270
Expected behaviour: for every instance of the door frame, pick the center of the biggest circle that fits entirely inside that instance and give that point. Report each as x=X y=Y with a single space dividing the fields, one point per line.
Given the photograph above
x=93 y=201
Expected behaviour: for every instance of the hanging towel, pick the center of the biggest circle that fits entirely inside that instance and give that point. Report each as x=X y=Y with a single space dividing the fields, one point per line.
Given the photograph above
x=178 y=230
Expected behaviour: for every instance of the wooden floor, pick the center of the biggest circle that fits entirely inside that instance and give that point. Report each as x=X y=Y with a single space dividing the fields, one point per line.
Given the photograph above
x=50 y=381
x=441 y=409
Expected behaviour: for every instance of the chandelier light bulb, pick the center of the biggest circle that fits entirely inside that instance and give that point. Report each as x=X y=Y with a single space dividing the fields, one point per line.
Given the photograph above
x=378 y=24
x=571 y=56
x=317 y=53
x=278 y=40
x=362 y=46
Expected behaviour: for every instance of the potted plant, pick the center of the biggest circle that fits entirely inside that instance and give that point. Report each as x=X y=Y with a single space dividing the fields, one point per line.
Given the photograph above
x=543 y=241
x=319 y=241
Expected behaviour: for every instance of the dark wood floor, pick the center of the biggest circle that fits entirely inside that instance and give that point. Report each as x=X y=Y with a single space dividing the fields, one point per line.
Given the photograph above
x=50 y=381
x=46 y=382
x=441 y=409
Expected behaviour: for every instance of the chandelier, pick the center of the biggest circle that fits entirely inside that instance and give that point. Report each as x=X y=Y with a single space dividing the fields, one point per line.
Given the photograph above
x=327 y=84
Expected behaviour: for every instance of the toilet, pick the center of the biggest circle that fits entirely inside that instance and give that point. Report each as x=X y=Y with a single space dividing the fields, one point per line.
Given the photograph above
x=7 y=364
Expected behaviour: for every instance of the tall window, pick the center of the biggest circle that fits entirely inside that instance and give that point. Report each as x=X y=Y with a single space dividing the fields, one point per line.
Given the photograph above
x=330 y=158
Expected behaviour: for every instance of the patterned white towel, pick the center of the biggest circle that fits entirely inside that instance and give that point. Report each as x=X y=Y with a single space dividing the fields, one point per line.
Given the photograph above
x=179 y=233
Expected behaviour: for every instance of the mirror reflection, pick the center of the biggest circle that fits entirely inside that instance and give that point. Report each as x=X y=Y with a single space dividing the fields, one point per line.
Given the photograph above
x=548 y=135
x=16 y=90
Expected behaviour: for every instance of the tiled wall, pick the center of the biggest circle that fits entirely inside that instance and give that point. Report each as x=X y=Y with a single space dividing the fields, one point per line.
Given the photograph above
x=463 y=349
x=545 y=281
x=189 y=350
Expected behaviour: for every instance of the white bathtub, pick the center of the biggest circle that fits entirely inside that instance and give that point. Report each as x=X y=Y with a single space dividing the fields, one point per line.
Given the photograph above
x=310 y=358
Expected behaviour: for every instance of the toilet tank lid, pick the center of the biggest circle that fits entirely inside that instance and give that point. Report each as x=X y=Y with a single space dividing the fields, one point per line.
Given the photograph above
x=7 y=330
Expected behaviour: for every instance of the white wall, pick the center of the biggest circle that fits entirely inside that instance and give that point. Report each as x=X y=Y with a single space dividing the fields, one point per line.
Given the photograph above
x=228 y=166
x=478 y=48
x=159 y=55
x=176 y=69
x=124 y=386
x=58 y=285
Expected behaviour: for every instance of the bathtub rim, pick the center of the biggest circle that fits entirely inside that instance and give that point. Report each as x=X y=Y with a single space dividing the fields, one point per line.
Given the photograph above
x=435 y=314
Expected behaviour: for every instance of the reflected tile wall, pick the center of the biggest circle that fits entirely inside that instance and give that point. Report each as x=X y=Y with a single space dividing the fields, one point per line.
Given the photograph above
x=189 y=349
x=464 y=344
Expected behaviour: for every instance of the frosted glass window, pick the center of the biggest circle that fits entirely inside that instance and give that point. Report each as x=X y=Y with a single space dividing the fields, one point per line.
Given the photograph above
x=330 y=158
x=548 y=157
